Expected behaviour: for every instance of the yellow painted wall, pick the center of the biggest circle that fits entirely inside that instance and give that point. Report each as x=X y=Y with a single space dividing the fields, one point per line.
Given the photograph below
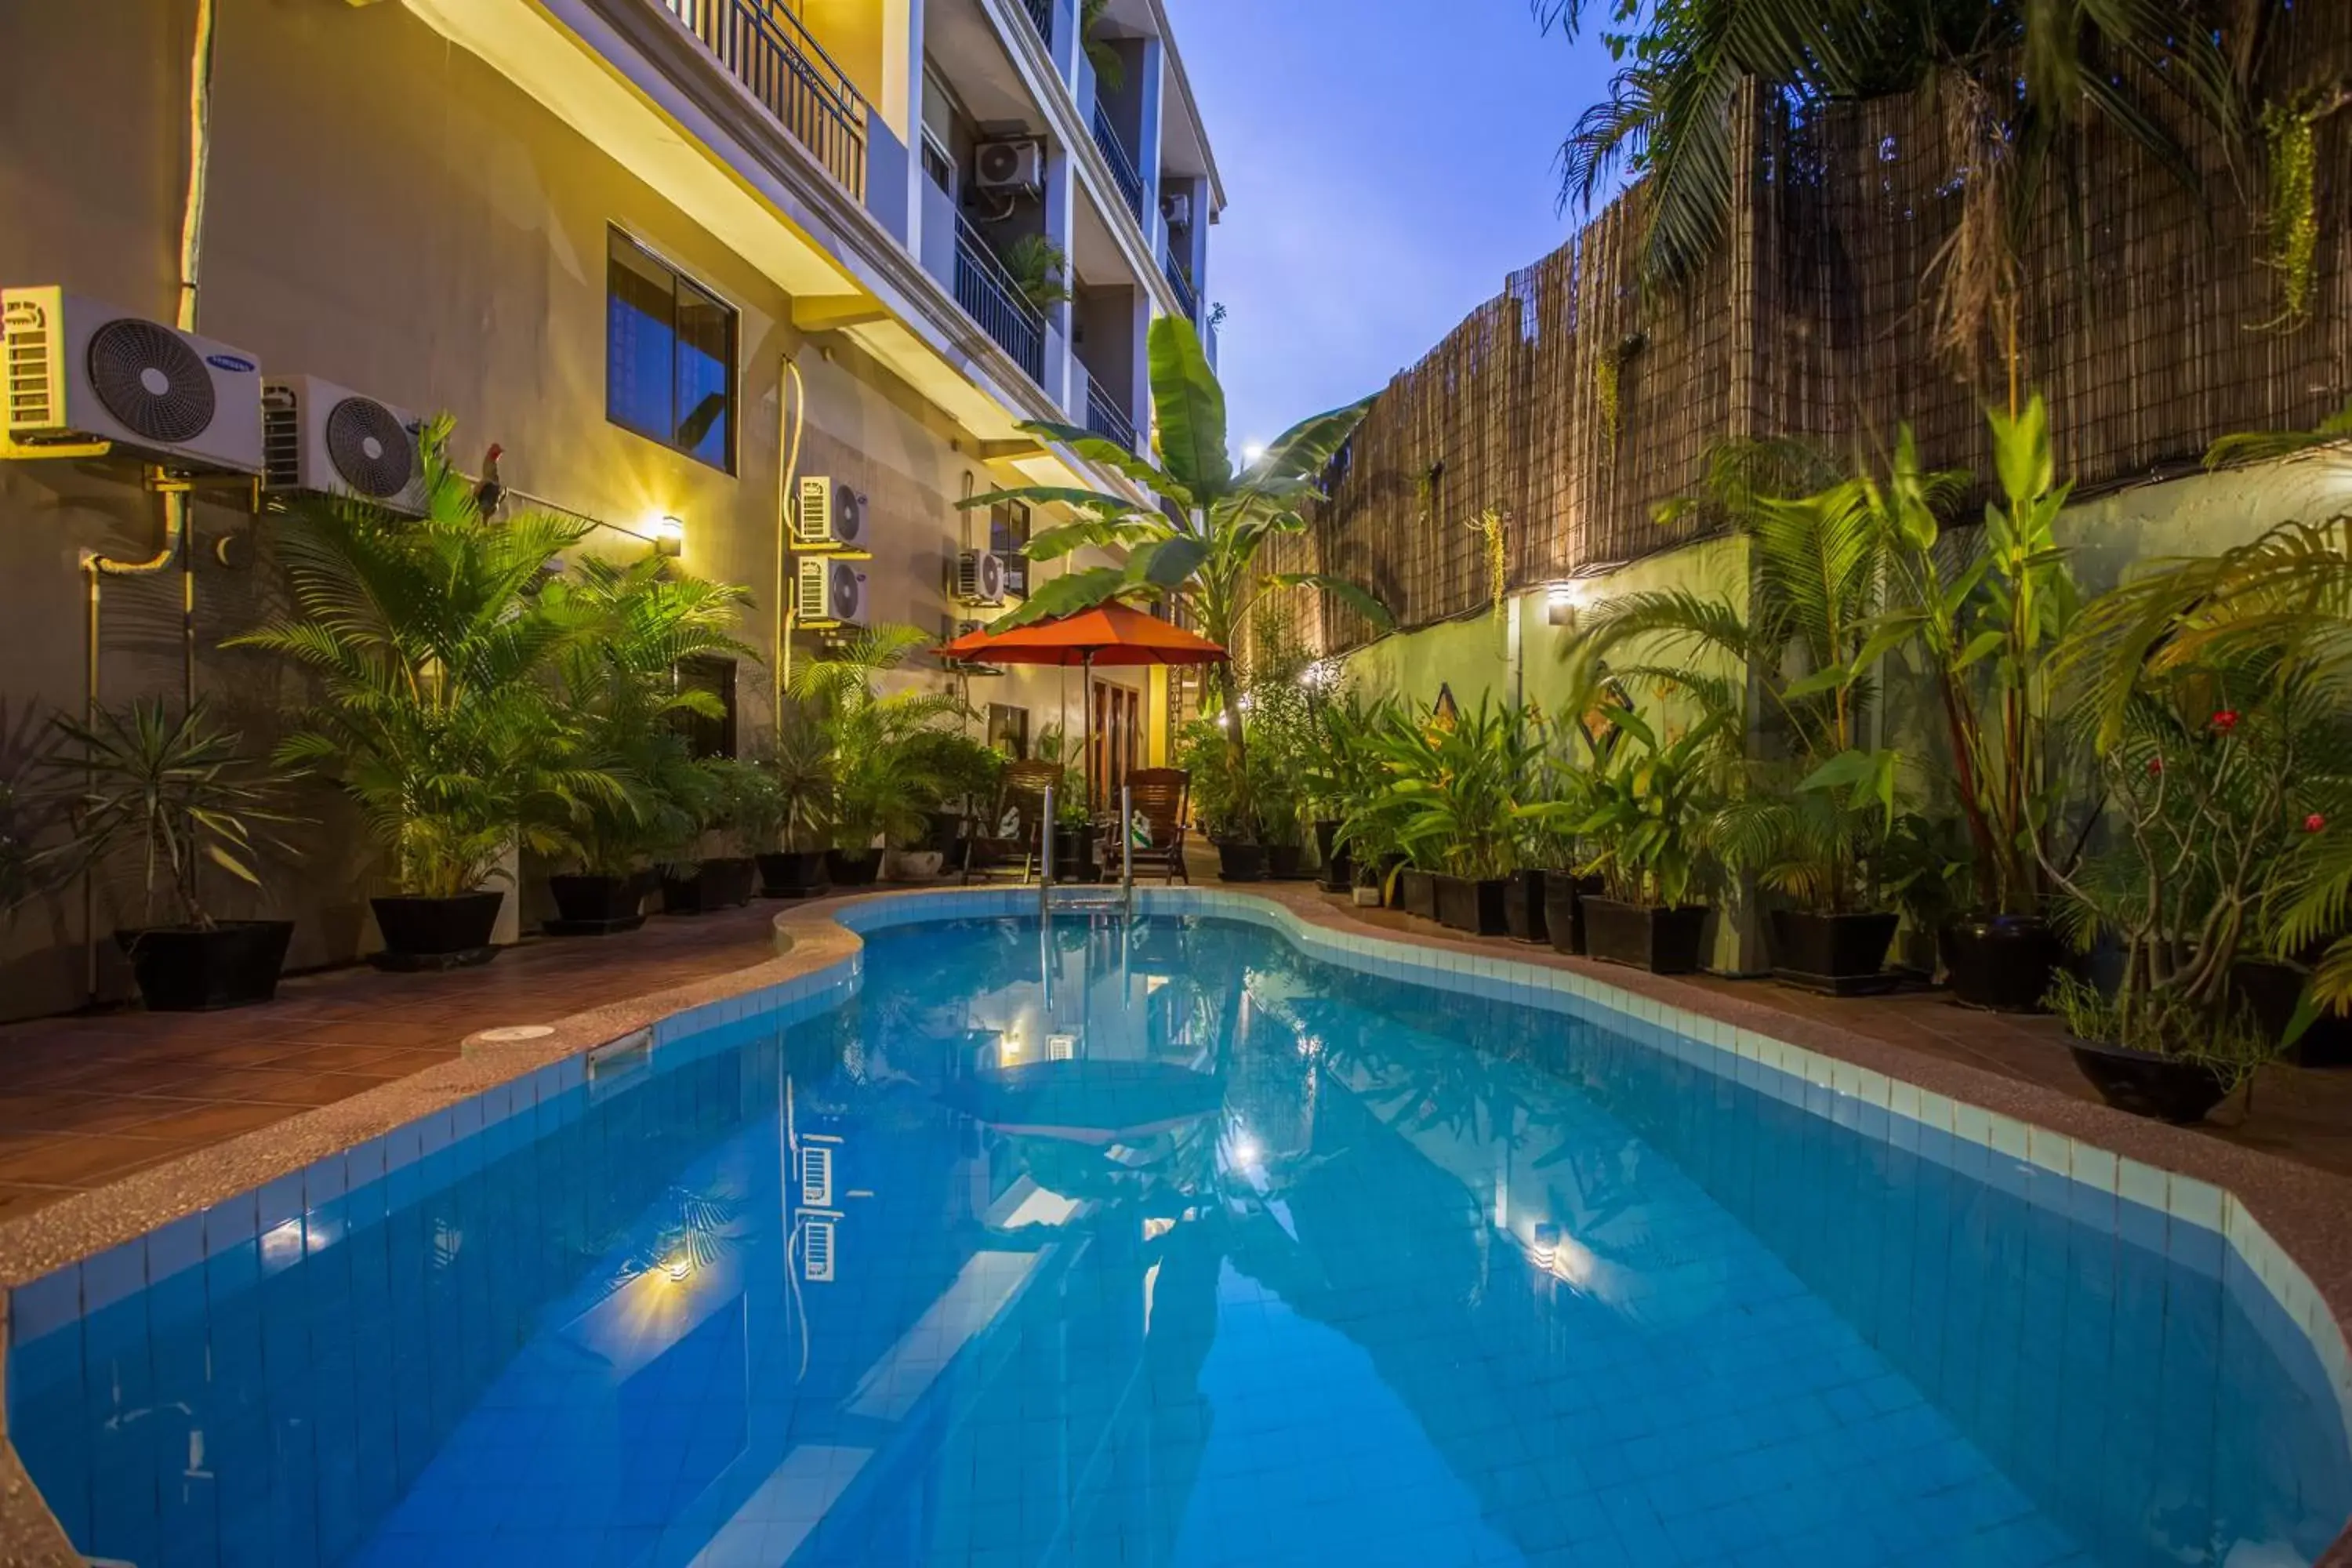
x=389 y=213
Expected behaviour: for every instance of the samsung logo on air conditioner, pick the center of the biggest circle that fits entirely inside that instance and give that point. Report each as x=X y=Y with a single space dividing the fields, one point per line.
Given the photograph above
x=231 y=361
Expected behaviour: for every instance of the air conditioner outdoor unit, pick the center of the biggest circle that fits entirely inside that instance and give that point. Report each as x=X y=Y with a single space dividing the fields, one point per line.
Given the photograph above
x=74 y=371
x=1176 y=206
x=831 y=516
x=326 y=439
x=1014 y=166
x=832 y=593
x=979 y=577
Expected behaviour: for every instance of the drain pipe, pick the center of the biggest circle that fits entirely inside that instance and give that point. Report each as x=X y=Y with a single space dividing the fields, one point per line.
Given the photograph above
x=792 y=414
x=95 y=565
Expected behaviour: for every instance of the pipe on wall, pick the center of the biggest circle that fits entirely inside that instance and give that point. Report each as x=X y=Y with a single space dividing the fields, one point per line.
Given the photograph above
x=792 y=414
x=97 y=566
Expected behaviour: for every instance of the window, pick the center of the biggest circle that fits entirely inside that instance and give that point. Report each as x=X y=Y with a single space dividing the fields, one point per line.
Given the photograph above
x=1008 y=536
x=669 y=356
x=938 y=166
x=707 y=736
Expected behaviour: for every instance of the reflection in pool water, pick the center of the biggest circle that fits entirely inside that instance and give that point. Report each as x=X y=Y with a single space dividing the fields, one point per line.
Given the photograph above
x=1167 y=1245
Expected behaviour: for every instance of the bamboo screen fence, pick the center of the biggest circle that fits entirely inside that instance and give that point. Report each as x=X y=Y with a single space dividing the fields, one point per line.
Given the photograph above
x=1573 y=404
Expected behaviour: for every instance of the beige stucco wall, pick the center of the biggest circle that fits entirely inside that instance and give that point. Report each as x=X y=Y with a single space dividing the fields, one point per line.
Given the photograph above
x=389 y=213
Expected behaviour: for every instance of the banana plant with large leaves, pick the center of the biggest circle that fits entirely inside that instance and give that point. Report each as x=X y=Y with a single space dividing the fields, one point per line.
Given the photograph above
x=1199 y=549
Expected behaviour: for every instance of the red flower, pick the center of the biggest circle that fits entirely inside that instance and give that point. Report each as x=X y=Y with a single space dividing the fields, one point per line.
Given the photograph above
x=2226 y=719
x=2155 y=766
x=2314 y=823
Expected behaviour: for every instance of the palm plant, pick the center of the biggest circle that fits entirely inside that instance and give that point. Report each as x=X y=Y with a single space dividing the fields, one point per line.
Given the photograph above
x=1196 y=547
x=1039 y=268
x=180 y=792
x=2018 y=85
x=432 y=650
x=1818 y=570
x=883 y=783
x=620 y=689
x=799 y=759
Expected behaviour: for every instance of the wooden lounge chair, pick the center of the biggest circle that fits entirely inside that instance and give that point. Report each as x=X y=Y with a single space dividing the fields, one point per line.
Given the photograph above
x=1161 y=796
x=988 y=851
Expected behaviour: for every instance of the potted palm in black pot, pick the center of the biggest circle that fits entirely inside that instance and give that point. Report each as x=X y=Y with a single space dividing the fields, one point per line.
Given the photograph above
x=179 y=793
x=733 y=808
x=434 y=649
x=884 y=770
x=631 y=718
x=1454 y=786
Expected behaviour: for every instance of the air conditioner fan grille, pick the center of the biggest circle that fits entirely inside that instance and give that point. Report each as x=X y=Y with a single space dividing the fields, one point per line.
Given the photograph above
x=370 y=448
x=151 y=380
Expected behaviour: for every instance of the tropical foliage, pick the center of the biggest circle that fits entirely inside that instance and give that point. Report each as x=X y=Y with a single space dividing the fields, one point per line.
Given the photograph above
x=884 y=773
x=433 y=651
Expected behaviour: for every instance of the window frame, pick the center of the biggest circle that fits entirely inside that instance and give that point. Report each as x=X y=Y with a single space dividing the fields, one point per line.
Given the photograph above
x=680 y=279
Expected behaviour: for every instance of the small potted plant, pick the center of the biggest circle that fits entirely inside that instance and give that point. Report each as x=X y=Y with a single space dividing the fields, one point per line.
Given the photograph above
x=1454 y=784
x=1221 y=799
x=1651 y=821
x=179 y=792
x=2209 y=780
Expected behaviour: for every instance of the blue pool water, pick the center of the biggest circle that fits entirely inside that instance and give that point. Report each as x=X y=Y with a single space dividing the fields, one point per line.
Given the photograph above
x=1169 y=1244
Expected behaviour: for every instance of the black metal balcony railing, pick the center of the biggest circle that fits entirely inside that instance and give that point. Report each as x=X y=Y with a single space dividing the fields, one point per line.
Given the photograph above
x=765 y=48
x=1105 y=417
x=1122 y=166
x=1181 y=282
x=1041 y=17
x=989 y=297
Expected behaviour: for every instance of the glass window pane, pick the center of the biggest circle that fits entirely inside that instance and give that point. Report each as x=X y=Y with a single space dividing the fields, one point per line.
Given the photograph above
x=638 y=342
x=706 y=376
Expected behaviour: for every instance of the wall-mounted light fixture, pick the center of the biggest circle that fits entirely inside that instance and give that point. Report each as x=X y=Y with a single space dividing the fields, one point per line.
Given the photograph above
x=1560 y=601
x=669 y=537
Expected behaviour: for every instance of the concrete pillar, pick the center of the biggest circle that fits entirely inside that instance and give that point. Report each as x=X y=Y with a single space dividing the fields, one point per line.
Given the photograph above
x=1146 y=142
x=1061 y=225
x=1064 y=49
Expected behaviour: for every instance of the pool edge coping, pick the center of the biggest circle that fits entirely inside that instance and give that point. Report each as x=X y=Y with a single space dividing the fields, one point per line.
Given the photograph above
x=2284 y=1232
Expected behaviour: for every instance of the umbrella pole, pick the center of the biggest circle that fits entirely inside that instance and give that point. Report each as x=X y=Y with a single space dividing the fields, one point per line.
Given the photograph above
x=1086 y=722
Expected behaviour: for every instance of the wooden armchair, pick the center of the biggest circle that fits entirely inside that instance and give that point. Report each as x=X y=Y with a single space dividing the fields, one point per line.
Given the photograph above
x=987 y=849
x=1161 y=796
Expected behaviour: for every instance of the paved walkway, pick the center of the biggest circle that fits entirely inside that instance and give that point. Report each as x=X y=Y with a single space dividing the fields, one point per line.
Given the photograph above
x=85 y=1100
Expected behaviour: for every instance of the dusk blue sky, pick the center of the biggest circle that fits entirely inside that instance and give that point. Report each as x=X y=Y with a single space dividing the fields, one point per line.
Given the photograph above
x=1385 y=165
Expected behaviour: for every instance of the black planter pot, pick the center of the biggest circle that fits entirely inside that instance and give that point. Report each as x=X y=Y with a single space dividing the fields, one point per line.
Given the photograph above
x=1417 y=893
x=436 y=934
x=847 y=870
x=946 y=828
x=1524 y=918
x=1239 y=860
x=1338 y=873
x=183 y=970
x=1283 y=862
x=590 y=905
x=725 y=883
x=1662 y=941
x=1564 y=893
x=2273 y=990
x=792 y=874
x=2004 y=964
x=1837 y=955
x=1471 y=905
x=2167 y=1088
x=1074 y=854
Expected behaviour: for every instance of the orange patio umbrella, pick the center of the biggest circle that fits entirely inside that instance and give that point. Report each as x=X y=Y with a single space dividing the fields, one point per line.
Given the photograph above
x=1111 y=634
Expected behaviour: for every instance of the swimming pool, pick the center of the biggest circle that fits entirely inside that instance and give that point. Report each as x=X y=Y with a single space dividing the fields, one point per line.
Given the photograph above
x=1176 y=1243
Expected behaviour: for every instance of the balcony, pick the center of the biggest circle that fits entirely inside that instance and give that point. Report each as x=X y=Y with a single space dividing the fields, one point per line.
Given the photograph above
x=765 y=48
x=1181 y=282
x=1041 y=17
x=990 y=298
x=1122 y=164
x=1105 y=417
